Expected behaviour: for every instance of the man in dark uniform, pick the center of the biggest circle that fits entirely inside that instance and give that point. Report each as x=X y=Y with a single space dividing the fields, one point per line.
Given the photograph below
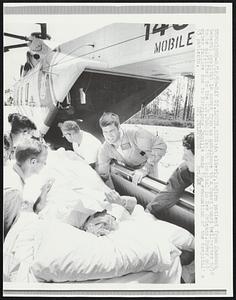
x=181 y=178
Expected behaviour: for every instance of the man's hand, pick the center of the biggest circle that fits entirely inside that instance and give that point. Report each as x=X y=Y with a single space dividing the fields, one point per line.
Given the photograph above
x=127 y=202
x=46 y=187
x=113 y=197
x=138 y=175
x=41 y=201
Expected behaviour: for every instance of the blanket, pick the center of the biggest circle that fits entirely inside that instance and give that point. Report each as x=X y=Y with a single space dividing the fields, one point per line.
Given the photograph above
x=51 y=251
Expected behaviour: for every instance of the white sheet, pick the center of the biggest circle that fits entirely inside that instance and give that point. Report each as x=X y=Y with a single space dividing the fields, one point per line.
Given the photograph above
x=69 y=171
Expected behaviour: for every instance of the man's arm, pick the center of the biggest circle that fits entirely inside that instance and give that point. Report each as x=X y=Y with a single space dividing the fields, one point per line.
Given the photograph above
x=177 y=183
x=42 y=199
x=153 y=148
x=103 y=162
x=39 y=204
x=158 y=150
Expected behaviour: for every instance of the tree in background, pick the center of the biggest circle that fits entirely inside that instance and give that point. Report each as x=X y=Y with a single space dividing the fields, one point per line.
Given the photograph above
x=173 y=107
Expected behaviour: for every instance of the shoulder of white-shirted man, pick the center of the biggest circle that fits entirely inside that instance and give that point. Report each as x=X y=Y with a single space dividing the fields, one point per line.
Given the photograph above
x=92 y=137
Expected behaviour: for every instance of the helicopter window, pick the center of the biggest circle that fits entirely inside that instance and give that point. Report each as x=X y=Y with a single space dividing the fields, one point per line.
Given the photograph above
x=31 y=102
x=27 y=93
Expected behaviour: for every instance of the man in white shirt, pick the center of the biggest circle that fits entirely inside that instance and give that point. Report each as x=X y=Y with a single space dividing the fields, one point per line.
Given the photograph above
x=84 y=143
x=31 y=156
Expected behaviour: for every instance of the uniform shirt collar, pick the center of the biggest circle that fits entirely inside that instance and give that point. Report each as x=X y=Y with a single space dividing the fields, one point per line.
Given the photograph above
x=19 y=171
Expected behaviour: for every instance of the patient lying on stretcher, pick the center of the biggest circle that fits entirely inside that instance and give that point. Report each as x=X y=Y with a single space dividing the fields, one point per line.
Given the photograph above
x=80 y=198
x=100 y=223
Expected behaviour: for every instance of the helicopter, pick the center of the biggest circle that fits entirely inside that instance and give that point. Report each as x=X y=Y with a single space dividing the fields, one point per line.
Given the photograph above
x=118 y=68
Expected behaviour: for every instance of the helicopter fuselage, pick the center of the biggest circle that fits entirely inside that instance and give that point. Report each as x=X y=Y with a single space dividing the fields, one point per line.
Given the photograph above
x=116 y=68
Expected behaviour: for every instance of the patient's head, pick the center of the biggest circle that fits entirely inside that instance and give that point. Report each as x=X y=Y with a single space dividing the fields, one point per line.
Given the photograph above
x=70 y=130
x=100 y=223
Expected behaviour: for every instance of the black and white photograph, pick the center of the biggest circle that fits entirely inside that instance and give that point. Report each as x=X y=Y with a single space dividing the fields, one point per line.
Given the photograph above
x=100 y=117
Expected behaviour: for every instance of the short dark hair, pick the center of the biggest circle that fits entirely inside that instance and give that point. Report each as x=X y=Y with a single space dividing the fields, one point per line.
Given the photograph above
x=70 y=125
x=28 y=149
x=19 y=122
x=188 y=141
x=109 y=118
x=6 y=142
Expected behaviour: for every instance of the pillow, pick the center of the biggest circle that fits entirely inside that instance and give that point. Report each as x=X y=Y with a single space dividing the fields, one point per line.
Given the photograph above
x=69 y=254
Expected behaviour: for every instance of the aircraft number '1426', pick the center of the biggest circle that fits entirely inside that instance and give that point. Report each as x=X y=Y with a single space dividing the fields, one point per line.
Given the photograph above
x=161 y=28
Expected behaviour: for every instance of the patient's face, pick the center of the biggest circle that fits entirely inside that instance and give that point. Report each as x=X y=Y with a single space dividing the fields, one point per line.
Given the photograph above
x=100 y=223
